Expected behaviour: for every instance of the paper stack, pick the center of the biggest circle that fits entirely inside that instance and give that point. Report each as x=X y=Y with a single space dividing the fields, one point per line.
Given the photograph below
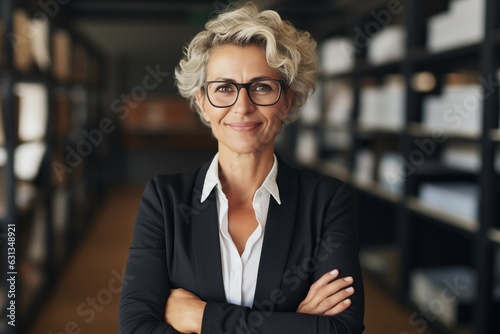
x=337 y=55
x=462 y=24
x=455 y=198
x=339 y=99
x=383 y=107
x=387 y=45
x=452 y=288
x=465 y=157
x=391 y=172
x=458 y=110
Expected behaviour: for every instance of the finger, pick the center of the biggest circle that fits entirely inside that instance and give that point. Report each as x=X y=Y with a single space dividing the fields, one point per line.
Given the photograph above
x=336 y=299
x=339 y=308
x=321 y=282
x=330 y=289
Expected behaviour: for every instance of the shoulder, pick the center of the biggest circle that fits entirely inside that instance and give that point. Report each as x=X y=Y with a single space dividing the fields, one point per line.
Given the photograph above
x=180 y=185
x=311 y=181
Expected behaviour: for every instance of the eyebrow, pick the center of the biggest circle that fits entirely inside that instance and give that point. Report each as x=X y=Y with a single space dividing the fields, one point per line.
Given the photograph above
x=251 y=80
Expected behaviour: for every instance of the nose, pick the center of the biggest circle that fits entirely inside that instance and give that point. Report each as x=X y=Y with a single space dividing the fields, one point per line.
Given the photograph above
x=243 y=103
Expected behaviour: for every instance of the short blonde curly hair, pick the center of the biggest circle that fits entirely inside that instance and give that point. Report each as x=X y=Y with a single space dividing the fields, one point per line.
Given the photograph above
x=291 y=52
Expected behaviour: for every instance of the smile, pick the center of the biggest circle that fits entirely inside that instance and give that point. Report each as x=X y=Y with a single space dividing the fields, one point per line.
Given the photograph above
x=244 y=126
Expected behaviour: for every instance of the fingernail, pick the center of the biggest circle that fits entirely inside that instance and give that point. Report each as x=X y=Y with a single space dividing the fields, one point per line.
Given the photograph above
x=347 y=301
x=349 y=290
x=334 y=272
x=348 y=279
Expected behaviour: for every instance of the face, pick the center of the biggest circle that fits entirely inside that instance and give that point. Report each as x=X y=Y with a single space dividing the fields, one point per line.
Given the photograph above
x=243 y=127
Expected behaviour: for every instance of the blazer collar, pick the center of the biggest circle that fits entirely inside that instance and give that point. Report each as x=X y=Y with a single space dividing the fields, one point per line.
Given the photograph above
x=278 y=236
x=276 y=244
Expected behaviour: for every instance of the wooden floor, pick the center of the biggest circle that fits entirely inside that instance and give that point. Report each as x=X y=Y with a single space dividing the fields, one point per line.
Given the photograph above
x=86 y=297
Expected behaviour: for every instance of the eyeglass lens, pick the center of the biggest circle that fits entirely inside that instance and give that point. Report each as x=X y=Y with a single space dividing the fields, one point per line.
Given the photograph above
x=264 y=92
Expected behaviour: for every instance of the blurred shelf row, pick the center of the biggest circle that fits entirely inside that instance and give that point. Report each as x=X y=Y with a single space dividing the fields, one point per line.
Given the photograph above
x=406 y=110
x=51 y=149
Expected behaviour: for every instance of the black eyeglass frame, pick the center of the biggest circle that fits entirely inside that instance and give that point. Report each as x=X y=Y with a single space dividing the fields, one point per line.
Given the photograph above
x=246 y=86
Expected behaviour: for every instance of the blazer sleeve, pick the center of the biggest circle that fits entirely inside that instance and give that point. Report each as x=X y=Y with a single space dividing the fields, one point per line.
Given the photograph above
x=145 y=293
x=336 y=249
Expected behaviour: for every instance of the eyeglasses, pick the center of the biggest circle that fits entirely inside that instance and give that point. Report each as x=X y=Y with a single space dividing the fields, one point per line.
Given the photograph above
x=223 y=94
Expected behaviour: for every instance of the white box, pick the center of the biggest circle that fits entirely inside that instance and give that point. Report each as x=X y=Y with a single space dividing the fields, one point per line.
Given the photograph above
x=382 y=107
x=455 y=198
x=339 y=99
x=364 y=167
x=459 y=110
x=465 y=157
x=462 y=25
x=337 y=55
x=391 y=172
x=444 y=292
x=307 y=147
x=387 y=45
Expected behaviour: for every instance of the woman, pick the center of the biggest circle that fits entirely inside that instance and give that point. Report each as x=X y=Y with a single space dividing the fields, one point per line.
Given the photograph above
x=246 y=244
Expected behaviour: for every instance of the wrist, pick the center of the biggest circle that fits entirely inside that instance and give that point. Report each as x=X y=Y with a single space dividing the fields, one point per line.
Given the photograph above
x=198 y=316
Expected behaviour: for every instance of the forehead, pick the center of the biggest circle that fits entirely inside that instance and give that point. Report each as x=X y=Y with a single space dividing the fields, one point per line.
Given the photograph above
x=239 y=63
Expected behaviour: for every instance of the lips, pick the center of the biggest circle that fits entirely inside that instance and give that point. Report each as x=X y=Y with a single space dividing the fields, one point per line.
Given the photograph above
x=244 y=126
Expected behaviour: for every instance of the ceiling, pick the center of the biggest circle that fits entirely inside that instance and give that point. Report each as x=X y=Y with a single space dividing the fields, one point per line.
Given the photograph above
x=157 y=27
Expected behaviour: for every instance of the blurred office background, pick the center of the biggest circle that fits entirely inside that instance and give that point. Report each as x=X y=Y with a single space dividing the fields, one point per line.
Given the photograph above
x=406 y=110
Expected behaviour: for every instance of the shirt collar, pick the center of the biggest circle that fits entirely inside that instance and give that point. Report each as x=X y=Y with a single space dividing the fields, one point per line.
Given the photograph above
x=212 y=180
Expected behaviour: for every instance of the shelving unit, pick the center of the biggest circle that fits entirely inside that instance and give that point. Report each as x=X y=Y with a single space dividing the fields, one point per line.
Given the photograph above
x=50 y=95
x=399 y=233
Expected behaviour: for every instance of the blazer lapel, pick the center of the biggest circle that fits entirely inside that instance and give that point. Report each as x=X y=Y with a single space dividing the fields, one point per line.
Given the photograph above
x=206 y=246
x=278 y=236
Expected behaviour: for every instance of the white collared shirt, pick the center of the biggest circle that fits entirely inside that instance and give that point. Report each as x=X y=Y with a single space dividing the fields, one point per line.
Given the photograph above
x=240 y=273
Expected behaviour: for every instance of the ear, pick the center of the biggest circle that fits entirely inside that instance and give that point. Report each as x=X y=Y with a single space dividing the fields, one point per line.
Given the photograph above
x=289 y=94
x=200 y=100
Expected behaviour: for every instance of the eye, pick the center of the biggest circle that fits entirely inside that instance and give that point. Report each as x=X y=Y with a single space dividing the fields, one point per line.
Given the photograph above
x=224 y=88
x=261 y=87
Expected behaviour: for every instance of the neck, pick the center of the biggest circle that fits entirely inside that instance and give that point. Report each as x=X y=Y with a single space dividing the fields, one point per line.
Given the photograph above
x=242 y=174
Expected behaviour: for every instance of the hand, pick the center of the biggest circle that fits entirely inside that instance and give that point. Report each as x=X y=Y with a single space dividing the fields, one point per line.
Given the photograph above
x=327 y=296
x=184 y=311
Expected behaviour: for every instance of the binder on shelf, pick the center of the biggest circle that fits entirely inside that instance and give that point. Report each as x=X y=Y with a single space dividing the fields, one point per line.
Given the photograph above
x=383 y=107
x=307 y=147
x=31 y=266
x=364 y=167
x=454 y=288
x=60 y=209
x=61 y=51
x=466 y=157
x=28 y=158
x=337 y=55
x=387 y=45
x=33 y=113
x=40 y=43
x=21 y=40
x=62 y=114
x=458 y=110
x=340 y=139
x=455 y=198
x=391 y=172
x=311 y=110
x=339 y=99
x=80 y=64
x=463 y=24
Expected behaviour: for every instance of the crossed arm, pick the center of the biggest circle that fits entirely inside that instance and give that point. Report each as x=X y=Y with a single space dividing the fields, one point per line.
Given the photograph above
x=149 y=304
x=328 y=296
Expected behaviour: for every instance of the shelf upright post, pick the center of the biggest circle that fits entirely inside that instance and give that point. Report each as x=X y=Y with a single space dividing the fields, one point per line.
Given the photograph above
x=404 y=226
x=7 y=76
x=483 y=255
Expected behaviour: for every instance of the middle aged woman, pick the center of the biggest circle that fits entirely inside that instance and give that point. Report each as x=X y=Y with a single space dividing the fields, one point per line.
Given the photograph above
x=245 y=244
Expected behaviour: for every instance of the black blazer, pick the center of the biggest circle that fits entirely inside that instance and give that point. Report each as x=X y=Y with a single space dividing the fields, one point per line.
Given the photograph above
x=176 y=245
